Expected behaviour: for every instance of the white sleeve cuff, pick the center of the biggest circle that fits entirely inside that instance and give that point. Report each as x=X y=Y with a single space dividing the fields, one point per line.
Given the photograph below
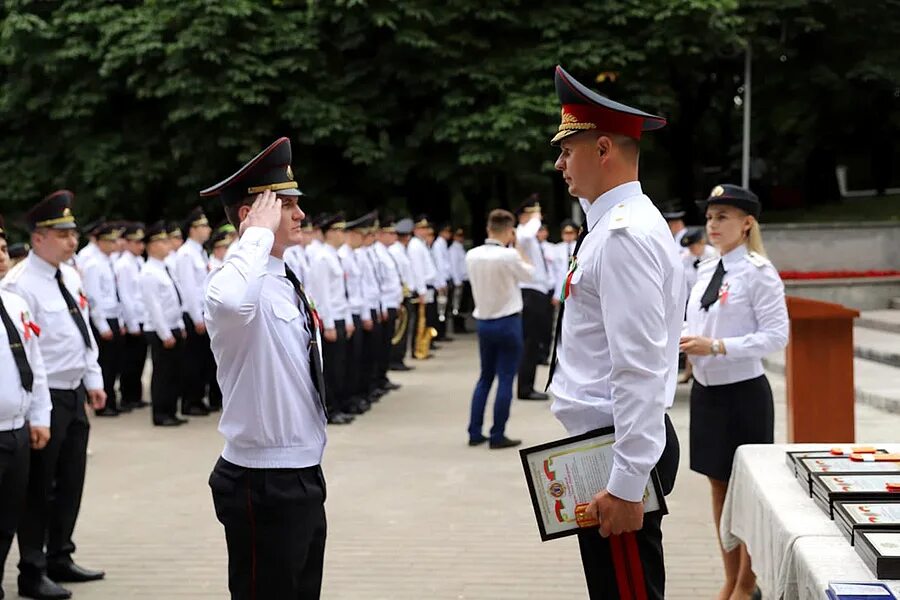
x=39 y=417
x=627 y=486
x=93 y=381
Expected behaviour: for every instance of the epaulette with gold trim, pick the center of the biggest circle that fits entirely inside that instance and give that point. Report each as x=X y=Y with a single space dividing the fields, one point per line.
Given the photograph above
x=758 y=260
x=619 y=217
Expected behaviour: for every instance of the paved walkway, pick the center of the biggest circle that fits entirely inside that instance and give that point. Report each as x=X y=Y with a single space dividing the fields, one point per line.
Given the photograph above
x=414 y=512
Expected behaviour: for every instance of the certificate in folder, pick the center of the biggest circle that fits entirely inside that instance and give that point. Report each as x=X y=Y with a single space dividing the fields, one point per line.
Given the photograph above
x=563 y=477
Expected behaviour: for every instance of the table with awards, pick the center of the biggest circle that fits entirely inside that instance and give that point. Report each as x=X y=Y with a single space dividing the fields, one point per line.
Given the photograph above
x=811 y=514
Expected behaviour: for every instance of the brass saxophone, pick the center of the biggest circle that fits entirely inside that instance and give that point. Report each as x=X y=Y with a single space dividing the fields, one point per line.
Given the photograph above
x=424 y=335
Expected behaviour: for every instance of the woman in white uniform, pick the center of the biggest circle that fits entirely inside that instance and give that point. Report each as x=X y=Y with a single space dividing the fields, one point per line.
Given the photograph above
x=736 y=315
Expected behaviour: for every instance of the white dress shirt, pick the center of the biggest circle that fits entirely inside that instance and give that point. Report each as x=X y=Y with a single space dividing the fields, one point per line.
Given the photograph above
x=424 y=272
x=328 y=286
x=172 y=262
x=354 y=280
x=526 y=238
x=556 y=266
x=750 y=317
x=17 y=405
x=679 y=235
x=191 y=263
x=692 y=264
x=296 y=259
x=618 y=352
x=387 y=267
x=458 y=263
x=371 y=281
x=164 y=311
x=83 y=256
x=102 y=291
x=128 y=272
x=398 y=252
x=495 y=273
x=66 y=359
x=271 y=415
x=441 y=256
x=564 y=251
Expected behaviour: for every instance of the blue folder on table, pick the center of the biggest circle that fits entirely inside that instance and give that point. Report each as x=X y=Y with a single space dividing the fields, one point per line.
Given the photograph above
x=853 y=590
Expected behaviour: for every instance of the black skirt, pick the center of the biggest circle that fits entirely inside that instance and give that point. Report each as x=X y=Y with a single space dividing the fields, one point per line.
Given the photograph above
x=724 y=417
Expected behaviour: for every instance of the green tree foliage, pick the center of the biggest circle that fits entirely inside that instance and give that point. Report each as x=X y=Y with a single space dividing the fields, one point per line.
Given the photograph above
x=415 y=104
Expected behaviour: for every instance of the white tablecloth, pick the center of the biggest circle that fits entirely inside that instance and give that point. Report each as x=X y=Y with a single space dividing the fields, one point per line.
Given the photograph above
x=768 y=510
x=819 y=560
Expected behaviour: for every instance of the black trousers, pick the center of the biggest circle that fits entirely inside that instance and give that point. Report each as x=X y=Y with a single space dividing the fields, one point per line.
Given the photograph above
x=199 y=369
x=398 y=350
x=110 y=355
x=275 y=530
x=166 y=380
x=357 y=376
x=621 y=565
x=385 y=347
x=335 y=358
x=431 y=311
x=546 y=342
x=535 y=320
x=134 y=356
x=414 y=324
x=14 y=463
x=371 y=346
x=55 y=485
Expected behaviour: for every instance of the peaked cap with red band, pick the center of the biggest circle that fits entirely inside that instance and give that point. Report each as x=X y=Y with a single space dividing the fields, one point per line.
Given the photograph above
x=268 y=170
x=584 y=109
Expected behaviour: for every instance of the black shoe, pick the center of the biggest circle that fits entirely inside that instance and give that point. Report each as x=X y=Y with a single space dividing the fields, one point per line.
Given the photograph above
x=70 y=572
x=42 y=588
x=140 y=404
x=443 y=339
x=400 y=367
x=378 y=393
x=477 y=441
x=196 y=411
x=169 y=422
x=390 y=386
x=107 y=412
x=214 y=408
x=125 y=408
x=533 y=395
x=339 y=419
x=504 y=442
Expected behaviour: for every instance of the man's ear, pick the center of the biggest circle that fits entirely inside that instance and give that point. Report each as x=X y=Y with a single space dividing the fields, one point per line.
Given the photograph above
x=603 y=145
x=243 y=211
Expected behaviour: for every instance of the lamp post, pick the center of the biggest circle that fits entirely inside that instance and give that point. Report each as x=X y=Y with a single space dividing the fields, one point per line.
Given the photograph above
x=745 y=158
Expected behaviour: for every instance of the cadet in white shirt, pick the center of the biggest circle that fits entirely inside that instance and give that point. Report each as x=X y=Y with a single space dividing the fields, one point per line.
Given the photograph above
x=176 y=241
x=24 y=406
x=164 y=328
x=104 y=299
x=536 y=313
x=134 y=350
x=736 y=316
x=556 y=270
x=90 y=249
x=565 y=249
x=192 y=265
x=268 y=487
x=53 y=291
x=328 y=286
x=441 y=254
x=461 y=304
x=398 y=240
x=496 y=271
x=370 y=328
x=359 y=362
x=391 y=296
x=425 y=276
x=617 y=347
x=675 y=220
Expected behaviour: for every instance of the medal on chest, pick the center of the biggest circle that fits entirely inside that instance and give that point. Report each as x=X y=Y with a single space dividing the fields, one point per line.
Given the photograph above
x=723 y=293
x=82 y=300
x=29 y=326
x=567 y=286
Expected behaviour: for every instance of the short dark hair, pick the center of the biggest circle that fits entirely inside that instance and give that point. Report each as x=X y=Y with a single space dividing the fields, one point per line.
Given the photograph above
x=500 y=220
x=231 y=211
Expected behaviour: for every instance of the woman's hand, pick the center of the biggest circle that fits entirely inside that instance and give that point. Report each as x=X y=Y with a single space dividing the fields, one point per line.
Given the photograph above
x=696 y=345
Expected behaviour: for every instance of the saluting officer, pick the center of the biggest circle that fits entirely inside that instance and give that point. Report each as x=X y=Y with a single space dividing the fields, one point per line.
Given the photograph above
x=103 y=296
x=164 y=328
x=24 y=407
x=617 y=349
x=268 y=487
x=134 y=352
x=54 y=292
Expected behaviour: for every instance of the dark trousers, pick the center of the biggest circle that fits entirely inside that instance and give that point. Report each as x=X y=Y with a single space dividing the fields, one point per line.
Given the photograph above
x=384 y=349
x=54 y=486
x=405 y=322
x=500 y=345
x=371 y=345
x=14 y=462
x=275 y=530
x=357 y=376
x=465 y=307
x=632 y=561
x=110 y=355
x=134 y=356
x=547 y=334
x=199 y=369
x=431 y=311
x=165 y=382
x=335 y=356
x=535 y=319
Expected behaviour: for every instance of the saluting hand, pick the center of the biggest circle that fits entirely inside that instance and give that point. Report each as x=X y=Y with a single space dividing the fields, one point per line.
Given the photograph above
x=265 y=212
x=39 y=436
x=616 y=516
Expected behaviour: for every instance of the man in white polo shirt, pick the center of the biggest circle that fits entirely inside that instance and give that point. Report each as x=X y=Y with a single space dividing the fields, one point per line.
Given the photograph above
x=495 y=271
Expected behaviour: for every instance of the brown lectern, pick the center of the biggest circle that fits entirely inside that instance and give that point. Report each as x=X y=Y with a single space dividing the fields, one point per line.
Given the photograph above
x=819 y=372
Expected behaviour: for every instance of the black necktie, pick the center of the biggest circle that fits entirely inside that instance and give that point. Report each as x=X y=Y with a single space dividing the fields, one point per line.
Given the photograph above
x=712 y=290
x=315 y=364
x=18 y=350
x=174 y=285
x=112 y=271
x=559 y=316
x=697 y=262
x=73 y=309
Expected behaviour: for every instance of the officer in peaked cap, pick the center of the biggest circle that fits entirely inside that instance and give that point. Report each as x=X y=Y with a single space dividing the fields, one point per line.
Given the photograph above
x=58 y=303
x=90 y=249
x=427 y=283
x=620 y=372
x=128 y=269
x=674 y=216
x=397 y=238
x=265 y=337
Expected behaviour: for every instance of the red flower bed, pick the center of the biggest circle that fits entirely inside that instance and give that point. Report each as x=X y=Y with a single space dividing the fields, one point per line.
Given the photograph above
x=789 y=275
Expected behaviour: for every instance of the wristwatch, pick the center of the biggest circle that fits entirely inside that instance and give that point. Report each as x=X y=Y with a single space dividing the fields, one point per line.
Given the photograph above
x=716 y=348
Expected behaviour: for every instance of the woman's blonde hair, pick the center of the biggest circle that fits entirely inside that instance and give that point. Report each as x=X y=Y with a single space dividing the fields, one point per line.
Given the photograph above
x=754 y=238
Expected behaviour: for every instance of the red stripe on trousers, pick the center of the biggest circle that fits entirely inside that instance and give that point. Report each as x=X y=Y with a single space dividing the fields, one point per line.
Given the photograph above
x=635 y=566
x=620 y=566
x=252 y=544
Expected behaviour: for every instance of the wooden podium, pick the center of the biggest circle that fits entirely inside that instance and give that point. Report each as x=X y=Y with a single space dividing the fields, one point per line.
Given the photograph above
x=819 y=372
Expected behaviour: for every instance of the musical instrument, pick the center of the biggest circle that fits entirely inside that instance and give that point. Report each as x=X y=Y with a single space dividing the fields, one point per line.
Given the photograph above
x=424 y=335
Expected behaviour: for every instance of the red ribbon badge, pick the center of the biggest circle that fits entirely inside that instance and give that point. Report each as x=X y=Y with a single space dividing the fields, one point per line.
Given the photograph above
x=29 y=327
x=82 y=300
